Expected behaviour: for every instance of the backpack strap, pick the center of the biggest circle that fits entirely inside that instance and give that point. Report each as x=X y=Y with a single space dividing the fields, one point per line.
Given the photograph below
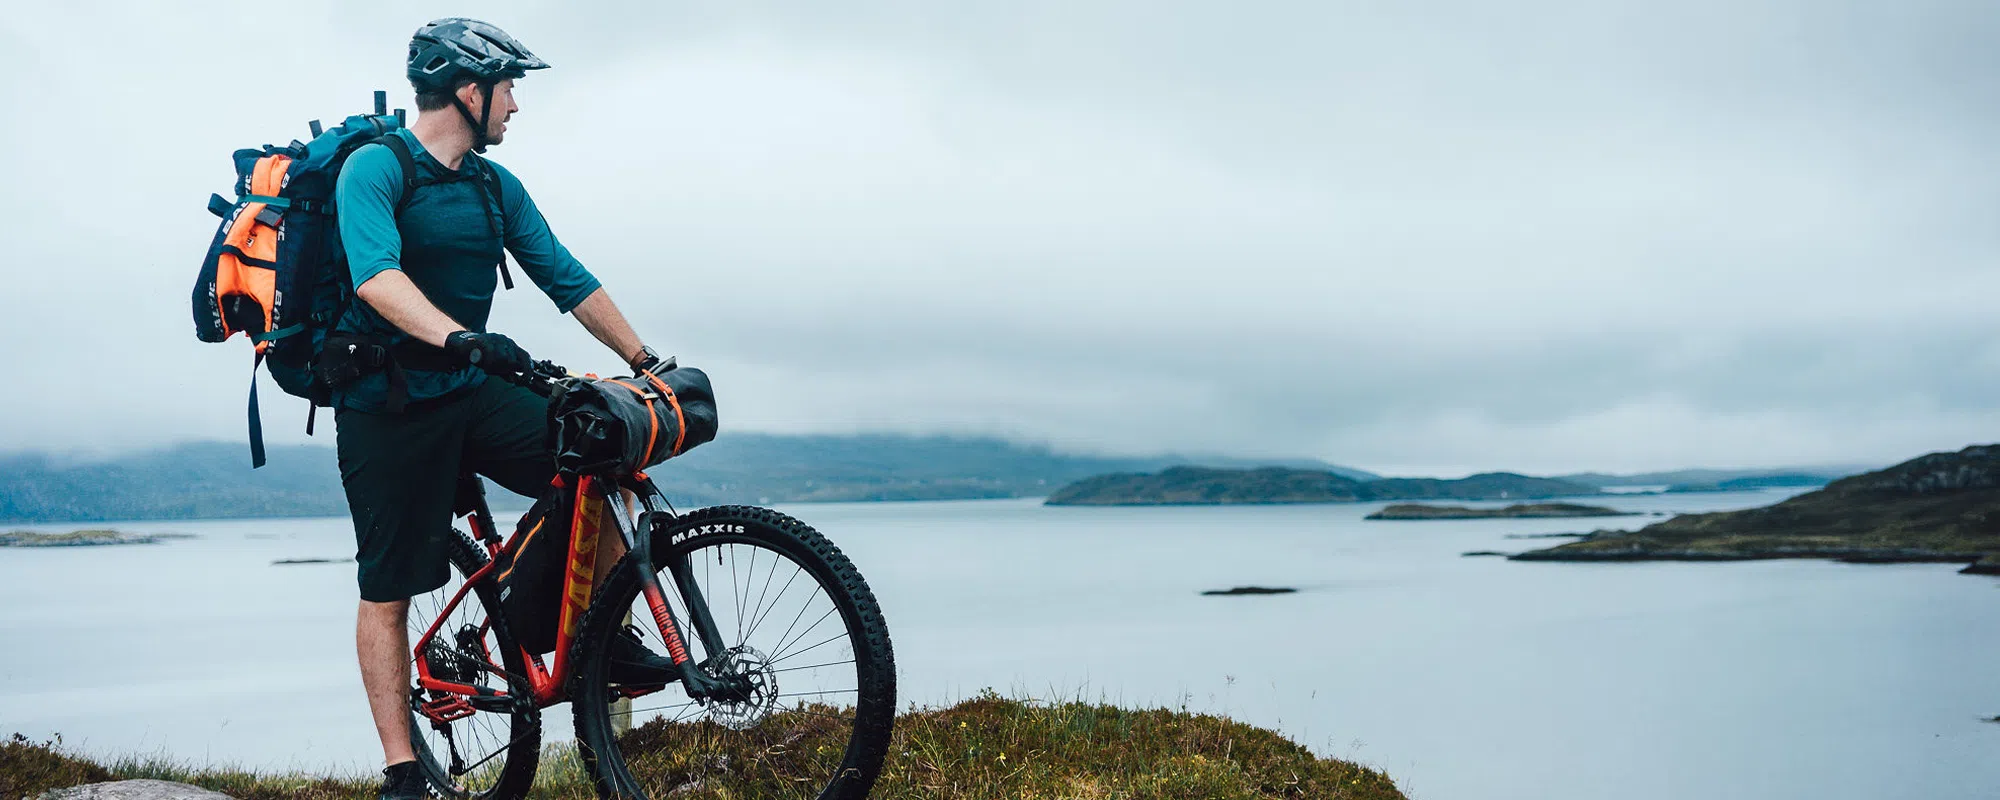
x=407 y=161
x=489 y=180
x=496 y=213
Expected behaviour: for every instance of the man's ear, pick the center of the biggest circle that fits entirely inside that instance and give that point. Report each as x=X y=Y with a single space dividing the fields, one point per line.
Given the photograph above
x=469 y=95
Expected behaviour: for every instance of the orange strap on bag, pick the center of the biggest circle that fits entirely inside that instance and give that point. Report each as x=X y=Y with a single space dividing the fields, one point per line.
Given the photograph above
x=680 y=420
x=654 y=435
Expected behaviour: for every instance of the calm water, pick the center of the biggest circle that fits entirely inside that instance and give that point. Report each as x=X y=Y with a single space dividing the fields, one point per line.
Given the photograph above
x=1464 y=678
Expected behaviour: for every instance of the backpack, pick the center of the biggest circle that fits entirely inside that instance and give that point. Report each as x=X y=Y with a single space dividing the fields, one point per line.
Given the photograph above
x=276 y=271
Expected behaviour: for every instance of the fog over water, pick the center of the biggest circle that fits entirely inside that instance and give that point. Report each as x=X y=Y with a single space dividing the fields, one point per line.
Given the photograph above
x=1434 y=237
x=1472 y=678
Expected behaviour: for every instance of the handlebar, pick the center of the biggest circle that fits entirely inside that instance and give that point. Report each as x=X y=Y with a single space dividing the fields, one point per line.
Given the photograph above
x=540 y=377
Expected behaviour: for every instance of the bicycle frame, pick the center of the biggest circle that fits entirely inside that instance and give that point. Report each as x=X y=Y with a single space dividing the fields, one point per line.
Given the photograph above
x=548 y=682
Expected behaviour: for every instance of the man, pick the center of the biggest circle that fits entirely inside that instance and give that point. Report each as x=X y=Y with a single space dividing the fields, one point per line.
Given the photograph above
x=425 y=254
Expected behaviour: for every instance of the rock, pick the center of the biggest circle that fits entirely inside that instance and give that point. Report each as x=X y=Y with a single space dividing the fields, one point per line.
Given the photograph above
x=1252 y=590
x=1483 y=553
x=134 y=790
x=1987 y=565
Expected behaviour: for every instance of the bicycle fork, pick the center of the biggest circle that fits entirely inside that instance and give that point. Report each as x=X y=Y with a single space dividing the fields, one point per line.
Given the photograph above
x=696 y=681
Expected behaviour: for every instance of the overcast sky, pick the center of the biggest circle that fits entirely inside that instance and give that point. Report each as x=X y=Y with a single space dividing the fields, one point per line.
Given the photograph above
x=1413 y=237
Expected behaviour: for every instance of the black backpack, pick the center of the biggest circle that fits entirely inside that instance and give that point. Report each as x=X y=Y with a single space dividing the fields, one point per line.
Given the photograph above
x=276 y=271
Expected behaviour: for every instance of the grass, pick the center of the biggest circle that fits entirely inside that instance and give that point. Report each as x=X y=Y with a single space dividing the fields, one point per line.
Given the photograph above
x=987 y=747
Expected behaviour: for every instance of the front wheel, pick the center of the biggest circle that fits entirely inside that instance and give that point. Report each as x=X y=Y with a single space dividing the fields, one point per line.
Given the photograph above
x=792 y=622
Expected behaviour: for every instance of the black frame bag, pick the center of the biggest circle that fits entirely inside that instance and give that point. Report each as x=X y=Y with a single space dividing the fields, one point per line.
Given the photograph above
x=531 y=572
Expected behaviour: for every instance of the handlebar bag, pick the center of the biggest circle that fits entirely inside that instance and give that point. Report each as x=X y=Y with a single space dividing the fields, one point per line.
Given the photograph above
x=623 y=425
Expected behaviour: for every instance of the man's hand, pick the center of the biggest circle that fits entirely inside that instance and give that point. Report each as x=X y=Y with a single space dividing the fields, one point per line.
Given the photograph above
x=492 y=352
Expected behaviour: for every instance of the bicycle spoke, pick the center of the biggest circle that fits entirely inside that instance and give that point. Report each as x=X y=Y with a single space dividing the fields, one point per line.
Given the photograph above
x=836 y=637
x=812 y=694
x=802 y=634
x=815 y=666
x=733 y=592
x=745 y=596
x=489 y=757
x=796 y=572
x=654 y=708
x=769 y=573
x=787 y=635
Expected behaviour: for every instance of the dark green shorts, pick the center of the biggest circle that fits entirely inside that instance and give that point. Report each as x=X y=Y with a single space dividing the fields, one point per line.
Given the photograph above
x=400 y=469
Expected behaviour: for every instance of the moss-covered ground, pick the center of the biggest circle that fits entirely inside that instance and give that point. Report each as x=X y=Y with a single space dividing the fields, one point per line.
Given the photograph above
x=988 y=747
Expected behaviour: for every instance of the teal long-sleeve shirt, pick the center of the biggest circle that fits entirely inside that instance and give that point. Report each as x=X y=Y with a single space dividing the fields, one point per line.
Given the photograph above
x=448 y=240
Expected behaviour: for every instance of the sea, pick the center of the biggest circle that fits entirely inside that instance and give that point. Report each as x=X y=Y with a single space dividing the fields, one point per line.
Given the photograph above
x=1463 y=678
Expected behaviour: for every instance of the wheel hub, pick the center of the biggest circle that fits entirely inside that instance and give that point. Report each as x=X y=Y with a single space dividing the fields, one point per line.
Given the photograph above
x=756 y=683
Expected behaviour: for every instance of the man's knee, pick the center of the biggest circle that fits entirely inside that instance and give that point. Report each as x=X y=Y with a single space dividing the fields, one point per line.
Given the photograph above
x=392 y=614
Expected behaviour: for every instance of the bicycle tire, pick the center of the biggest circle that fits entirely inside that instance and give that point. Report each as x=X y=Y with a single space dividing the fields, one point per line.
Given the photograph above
x=520 y=753
x=778 y=754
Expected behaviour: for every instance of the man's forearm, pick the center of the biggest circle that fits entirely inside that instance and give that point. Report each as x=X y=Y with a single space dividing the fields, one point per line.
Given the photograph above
x=404 y=305
x=600 y=316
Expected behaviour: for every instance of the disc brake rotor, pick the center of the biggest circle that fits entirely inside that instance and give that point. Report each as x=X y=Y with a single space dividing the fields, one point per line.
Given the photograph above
x=747 y=664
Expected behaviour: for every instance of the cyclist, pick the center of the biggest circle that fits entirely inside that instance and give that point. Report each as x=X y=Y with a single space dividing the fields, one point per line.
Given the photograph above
x=424 y=250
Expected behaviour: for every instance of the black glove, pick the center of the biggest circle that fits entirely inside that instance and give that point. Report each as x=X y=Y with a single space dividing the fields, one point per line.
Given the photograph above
x=492 y=352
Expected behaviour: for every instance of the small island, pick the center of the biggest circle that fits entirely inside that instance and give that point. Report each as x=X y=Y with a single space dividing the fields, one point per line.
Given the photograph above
x=1198 y=486
x=1403 y=511
x=1938 y=508
x=1250 y=590
x=86 y=538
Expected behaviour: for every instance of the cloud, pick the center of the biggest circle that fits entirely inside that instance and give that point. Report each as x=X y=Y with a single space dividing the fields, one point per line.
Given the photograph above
x=1434 y=236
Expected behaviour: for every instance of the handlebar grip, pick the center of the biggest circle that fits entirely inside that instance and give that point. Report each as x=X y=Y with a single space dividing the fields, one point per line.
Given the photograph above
x=539 y=378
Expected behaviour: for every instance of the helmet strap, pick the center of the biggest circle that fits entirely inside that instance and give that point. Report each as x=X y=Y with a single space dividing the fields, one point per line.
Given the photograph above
x=479 y=141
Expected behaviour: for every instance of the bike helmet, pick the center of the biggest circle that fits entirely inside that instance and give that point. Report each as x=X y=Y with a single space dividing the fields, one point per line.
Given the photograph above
x=446 y=51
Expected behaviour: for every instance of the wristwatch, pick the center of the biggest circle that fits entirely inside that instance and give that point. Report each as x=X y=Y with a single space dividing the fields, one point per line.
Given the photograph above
x=649 y=361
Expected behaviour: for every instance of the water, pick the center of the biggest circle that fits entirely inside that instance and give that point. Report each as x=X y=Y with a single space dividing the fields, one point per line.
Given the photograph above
x=1461 y=677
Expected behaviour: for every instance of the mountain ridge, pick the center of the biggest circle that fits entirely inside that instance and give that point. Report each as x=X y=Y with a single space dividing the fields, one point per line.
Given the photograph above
x=1184 y=485
x=213 y=479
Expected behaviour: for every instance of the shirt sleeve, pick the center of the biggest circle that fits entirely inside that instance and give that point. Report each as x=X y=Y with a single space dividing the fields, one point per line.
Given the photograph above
x=536 y=249
x=366 y=195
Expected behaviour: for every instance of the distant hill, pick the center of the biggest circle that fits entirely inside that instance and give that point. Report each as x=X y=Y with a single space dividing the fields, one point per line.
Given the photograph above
x=1722 y=479
x=1942 y=507
x=1419 y=511
x=1208 y=486
x=214 y=479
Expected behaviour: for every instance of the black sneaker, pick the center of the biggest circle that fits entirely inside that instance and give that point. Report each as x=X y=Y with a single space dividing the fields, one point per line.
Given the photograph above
x=404 y=781
x=634 y=665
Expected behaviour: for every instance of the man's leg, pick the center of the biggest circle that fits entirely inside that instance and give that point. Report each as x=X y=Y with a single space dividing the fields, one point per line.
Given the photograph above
x=383 y=643
x=398 y=470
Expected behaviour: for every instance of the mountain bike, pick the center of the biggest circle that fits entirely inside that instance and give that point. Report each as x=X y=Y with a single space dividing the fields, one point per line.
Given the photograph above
x=786 y=688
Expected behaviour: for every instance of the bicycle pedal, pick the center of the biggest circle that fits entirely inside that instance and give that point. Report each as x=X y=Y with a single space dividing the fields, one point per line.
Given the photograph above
x=447 y=709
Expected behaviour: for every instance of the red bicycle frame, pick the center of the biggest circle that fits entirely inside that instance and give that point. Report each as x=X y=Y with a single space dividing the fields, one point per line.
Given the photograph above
x=588 y=507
